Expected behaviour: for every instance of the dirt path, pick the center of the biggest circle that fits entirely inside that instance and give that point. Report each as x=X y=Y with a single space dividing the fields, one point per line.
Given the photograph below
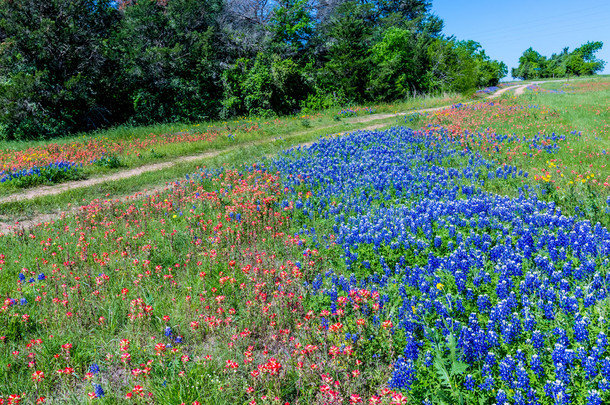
x=124 y=174
x=521 y=88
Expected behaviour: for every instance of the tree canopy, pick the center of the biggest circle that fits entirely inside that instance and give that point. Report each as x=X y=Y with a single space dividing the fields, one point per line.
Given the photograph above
x=580 y=62
x=74 y=65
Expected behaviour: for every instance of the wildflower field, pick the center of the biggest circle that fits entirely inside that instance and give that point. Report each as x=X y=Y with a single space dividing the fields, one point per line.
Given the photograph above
x=440 y=261
x=29 y=164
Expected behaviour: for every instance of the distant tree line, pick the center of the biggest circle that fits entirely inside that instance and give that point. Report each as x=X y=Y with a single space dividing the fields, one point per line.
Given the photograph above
x=580 y=62
x=74 y=65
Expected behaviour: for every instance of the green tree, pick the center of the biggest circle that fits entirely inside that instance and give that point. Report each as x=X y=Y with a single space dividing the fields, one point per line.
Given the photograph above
x=452 y=67
x=462 y=66
x=268 y=86
x=556 y=66
x=588 y=64
x=531 y=65
x=581 y=61
x=292 y=26
x=55 y=67
x=350 y=36
x=168 y=59
x=395 y=75
x=488 y=72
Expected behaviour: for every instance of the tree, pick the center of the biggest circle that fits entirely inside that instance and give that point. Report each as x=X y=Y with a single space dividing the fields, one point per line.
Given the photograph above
x=462 y=66
x=556 y=66
x=395 y=75
x=168 y=61
x=588 y=64
x=488 y=72
x=531 y=65
x=291 y=26
x=349 y=35
x=579 y=62
x=54 y=64
x=267 y=86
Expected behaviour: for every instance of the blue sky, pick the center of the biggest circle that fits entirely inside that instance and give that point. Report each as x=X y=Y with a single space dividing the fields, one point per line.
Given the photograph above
x=507 y=28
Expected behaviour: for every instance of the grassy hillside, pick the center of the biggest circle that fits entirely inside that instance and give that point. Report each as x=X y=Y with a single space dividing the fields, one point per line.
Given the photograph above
x=443 y=264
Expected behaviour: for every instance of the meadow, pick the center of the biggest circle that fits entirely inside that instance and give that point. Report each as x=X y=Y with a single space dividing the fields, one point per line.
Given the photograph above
x=30 y=164
x=459 y=257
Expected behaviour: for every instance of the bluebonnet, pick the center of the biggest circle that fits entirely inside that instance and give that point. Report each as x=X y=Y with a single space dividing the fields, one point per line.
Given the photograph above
x=581 y=333
x=487 y=384
x=469 y=382
x=428 y=359
x=507 y=368
x=590 y=366
x=537 y=339
x=556 y=390
x=593 y=398
x=523 y=380
x=519 y=399
x=99 y=391
x=490 y=359
x=94 y=368
x=536 y=366
x=606 y=368
x=403 y=374
x=501 y=397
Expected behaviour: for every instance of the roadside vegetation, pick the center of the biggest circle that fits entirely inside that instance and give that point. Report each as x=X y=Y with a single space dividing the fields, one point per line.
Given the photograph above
x=458 y=258
x=29 y=164
x=110 y=63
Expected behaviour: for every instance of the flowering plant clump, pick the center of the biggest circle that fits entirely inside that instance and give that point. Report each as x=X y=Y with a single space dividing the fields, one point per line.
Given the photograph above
x=50 y=173
x=349 y=112
x=488 y=90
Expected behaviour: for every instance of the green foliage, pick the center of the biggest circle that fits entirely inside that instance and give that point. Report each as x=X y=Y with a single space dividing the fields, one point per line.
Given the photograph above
x=453 y=69
x=266 y=87
x=104 y=63
x=531 y=65
x=167 y=60
x=395 y=76
x=462 y=66
x=581 y=61
x=449 y=370
x=292 y=25
x=110 y=162
x=54 y=63
x=348 y=65
x=322 y=99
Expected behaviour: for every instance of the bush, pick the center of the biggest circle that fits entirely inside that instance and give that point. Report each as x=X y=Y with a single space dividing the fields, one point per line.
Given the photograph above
x=52 y=173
